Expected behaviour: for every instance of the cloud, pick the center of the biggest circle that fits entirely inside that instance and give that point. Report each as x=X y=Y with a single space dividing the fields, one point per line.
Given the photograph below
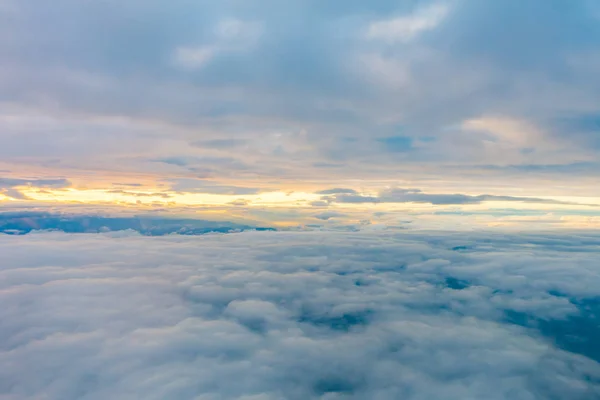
x=231 y=35
x=329 y=215
x=399 y=195
x=219 y=143
x=319 y=203
x=9 y=187
x=40 y=183
x=13 y=194
x=405 y=28
x=141 y=194
x=337 y=191
x=300 y=315
x=240 y=202
x=202 y=186
x=197 y=57
x=202 y=162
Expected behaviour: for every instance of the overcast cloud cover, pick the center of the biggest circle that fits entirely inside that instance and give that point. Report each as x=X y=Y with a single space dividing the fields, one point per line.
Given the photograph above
x=305 y=315
x=241 y=98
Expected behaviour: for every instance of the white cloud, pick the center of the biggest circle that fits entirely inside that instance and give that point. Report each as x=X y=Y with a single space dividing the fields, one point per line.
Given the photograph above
x=507 y=131
x=232 y=35
x=384 y=71
x=193 y=57
x=235 y=30
x=407 y=27
x=298 y=316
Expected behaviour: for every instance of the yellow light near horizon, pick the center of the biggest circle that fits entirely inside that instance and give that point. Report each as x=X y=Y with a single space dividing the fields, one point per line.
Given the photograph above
x=275 y=199
x=293 y=199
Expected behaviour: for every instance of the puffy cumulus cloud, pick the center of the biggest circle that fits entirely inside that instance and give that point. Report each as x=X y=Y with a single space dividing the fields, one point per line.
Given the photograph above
x=300 y=316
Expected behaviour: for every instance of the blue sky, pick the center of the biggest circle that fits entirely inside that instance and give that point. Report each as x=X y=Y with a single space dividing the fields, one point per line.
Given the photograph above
x=233 y=104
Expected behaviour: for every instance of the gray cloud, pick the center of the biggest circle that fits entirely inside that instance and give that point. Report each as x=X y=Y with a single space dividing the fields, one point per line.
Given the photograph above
x=398 y=195
x=41 y=183
x=202 y=186
x=14 y=194
x=128 y=184
x=141 y=194
x=254 y=68
x=239 y=203
x=337 y=191
x=207 y=162
x=300 y=316
x=9 y=186
x=330 y=214
x=219 y=143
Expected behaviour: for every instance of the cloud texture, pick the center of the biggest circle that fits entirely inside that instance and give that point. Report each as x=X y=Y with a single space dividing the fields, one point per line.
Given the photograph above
x=216 y=88
x=307 y=315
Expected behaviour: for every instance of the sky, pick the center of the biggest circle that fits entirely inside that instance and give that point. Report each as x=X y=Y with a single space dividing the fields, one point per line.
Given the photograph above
x=299 y=199
x=304 y=113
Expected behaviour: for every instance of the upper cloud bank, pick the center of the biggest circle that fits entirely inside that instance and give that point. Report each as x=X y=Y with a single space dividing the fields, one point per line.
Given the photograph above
x=314 y=315
x=380 y=90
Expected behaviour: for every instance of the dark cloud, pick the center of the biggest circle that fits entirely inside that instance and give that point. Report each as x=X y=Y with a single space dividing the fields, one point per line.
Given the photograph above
x=317 y=315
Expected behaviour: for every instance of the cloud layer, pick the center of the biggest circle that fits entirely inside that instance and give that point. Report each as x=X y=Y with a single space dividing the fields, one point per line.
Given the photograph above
x=388 y=90
x=300 y=316
x=400 y=195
